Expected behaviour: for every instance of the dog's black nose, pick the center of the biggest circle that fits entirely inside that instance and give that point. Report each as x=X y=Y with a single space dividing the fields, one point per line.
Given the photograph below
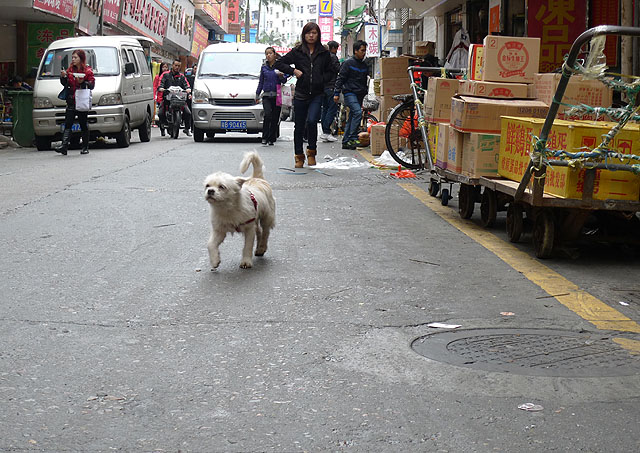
x=210 y=191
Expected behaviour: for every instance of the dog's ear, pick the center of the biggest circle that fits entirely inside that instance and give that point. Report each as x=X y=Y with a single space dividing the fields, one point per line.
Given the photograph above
x=241 y=181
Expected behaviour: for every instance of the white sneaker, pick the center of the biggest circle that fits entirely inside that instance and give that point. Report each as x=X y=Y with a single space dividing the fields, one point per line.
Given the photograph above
x=331 y=138
x=324 y=137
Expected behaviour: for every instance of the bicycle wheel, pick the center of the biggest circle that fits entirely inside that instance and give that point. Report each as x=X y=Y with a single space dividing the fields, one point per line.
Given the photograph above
x=404 y=138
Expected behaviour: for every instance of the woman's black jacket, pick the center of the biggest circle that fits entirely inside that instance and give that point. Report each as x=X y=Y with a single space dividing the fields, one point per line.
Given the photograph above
x=316 y=70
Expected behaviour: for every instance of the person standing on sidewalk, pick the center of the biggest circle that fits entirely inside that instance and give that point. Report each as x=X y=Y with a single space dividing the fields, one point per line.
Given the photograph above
x=352 y=82
x=329 y=108
x=78 y=75
x=270 y=79
x=313 y=69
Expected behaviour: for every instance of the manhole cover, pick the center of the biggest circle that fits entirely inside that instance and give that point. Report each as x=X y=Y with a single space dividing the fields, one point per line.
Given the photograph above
x=532 y=352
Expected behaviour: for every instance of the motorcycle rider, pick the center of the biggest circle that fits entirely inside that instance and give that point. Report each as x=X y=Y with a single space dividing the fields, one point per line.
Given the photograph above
x=175 y=78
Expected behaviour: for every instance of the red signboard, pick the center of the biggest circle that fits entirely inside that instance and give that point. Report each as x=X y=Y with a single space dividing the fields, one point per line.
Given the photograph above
x=233 y=10
x=326 y=28
x=147 y=17
x=557 y=23
x=213 y=10
x=111 y=11
x=605 y=12
x=63 y=8
x=200 y=40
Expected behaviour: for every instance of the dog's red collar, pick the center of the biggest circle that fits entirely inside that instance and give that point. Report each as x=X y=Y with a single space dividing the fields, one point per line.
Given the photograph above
x=255 y=205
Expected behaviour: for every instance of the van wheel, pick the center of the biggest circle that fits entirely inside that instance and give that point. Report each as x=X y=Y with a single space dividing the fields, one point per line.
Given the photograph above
x=144 y=131
x=124 y=136
x=43 y=143
x=198 y=135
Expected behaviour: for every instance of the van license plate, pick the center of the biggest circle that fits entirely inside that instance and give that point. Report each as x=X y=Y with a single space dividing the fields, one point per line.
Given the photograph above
x=233 y=125
x=74 y=128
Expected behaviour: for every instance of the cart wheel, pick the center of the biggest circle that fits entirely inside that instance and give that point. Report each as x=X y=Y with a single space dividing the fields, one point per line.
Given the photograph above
x=543 y=234
x=466 y=201
x=434 y=188
x=515 y=222
x=488 y=208
x=445 y=197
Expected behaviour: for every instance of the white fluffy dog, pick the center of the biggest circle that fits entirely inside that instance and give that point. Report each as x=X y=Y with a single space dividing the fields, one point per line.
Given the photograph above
x=240 y=205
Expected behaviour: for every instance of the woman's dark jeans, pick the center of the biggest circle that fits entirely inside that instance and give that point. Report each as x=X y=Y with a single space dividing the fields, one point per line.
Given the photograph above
x=307 y=114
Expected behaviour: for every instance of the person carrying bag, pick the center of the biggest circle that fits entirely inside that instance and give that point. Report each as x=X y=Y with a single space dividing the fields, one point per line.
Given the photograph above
x=78 y=81
x=270 y=86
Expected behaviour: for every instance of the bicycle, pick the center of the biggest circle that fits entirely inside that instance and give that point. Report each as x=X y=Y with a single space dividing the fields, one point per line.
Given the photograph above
x=406 y=132
x=339 y=122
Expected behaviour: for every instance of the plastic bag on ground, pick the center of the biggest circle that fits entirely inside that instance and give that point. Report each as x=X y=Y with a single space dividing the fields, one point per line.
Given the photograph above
x=342 y=163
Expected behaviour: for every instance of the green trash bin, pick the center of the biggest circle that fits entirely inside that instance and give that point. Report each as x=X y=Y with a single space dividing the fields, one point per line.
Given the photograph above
x=22 y=117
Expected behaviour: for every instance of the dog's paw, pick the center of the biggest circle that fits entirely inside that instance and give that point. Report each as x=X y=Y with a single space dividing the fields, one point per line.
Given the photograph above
x=215 y=264
x=246 y=264
x=261 y=252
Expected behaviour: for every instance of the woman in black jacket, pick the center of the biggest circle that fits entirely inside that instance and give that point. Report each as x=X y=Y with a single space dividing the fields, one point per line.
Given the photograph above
x=313 y=69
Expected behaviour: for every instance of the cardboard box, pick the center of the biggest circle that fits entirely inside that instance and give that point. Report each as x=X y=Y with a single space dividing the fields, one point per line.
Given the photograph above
x=432 y=136
x=394 y=68
x=437 y=105
x=510 y=59
x=516 y=144
x=386 y=104
x=495 y=90
x=480 y=156
x=442 y=148
x=454 y=151
x=389 y=87
x=475 y=62
x=377 y=139
x=425 y=48
x=473 y=114
x=579 y=91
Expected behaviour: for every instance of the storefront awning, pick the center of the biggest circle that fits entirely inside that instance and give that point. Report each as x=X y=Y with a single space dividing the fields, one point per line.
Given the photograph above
x=354 y=18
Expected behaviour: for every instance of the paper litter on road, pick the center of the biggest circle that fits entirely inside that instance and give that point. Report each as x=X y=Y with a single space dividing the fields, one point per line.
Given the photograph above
x=624 y=303
x=507 y=313
x=342 y=163
x=385 y=160
x=441 y=325
x=530 y=407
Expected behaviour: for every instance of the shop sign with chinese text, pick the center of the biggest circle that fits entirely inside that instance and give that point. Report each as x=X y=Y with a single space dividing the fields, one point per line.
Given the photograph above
x=39 y=36
x=69 y=9
x=326 y=29
x=90 y=16
x=325 y=8
x=200 y=40
x=605 y=12
x=111 y=11
x=180 y=27
x=372 y=37
x=557 y=23
x=147 y=17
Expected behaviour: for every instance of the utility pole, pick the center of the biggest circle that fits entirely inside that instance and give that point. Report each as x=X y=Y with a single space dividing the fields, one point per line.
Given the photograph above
x=247 y=23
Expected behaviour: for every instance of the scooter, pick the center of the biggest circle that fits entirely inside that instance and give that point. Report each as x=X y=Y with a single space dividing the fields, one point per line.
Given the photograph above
x=176 y=100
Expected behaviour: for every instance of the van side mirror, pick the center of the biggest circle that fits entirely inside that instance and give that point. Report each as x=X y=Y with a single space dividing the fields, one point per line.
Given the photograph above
x=33 y=73
x=129 y=68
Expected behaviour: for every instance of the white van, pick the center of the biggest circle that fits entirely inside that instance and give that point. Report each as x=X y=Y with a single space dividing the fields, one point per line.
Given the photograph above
x=122 y=98
x=225 y=88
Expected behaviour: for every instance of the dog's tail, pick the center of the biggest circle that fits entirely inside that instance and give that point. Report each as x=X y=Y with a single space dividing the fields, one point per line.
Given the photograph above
x=254 y=159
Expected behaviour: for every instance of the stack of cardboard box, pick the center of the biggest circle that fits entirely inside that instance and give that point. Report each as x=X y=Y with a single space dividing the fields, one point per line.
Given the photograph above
x=393 y=80
x=509 y=66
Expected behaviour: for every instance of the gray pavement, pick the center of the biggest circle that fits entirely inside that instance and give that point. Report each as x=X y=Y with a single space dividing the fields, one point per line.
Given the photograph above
x=117 y=336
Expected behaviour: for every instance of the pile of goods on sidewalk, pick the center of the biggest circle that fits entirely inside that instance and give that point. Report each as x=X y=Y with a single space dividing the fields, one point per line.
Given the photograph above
x=487 y=124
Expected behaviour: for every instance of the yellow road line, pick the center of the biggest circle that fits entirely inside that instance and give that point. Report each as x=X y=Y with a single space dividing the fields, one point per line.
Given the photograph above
x=564 y=291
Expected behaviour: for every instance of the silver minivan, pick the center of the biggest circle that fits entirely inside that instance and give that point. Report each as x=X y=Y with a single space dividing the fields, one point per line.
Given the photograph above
x=225 y=88
x=122 y=98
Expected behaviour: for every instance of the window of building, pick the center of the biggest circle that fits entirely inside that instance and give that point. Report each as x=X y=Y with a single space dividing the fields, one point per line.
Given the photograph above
x=277 y=15
x=312 y=9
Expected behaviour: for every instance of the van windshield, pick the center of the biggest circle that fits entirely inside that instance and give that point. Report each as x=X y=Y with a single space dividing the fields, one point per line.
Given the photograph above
x=231 y=65
x=103 y=61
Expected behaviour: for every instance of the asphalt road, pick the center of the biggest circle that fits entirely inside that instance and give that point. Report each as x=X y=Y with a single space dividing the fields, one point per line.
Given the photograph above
x=117 y=336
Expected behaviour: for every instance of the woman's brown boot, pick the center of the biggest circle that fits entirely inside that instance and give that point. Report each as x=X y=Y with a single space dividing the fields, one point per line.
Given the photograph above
x=311 y=156
x=299 y=160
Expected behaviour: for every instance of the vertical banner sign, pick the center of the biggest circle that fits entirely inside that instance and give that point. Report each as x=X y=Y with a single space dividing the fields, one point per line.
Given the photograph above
x=372 y=37
x=606 y=12
x=557 y=23
x=111 y=11
x=233 y=12
x=494 y=15
x=325 y=20
x=200 y=40
x=39 y=36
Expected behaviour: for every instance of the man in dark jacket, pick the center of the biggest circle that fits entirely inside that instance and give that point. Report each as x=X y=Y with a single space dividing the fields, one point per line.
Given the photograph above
x=175 y=78
x=329 y=107
x=353 y=84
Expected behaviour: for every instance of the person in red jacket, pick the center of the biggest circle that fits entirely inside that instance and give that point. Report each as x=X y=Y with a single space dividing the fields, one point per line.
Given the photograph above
x=157 y=95
x=77 y=75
